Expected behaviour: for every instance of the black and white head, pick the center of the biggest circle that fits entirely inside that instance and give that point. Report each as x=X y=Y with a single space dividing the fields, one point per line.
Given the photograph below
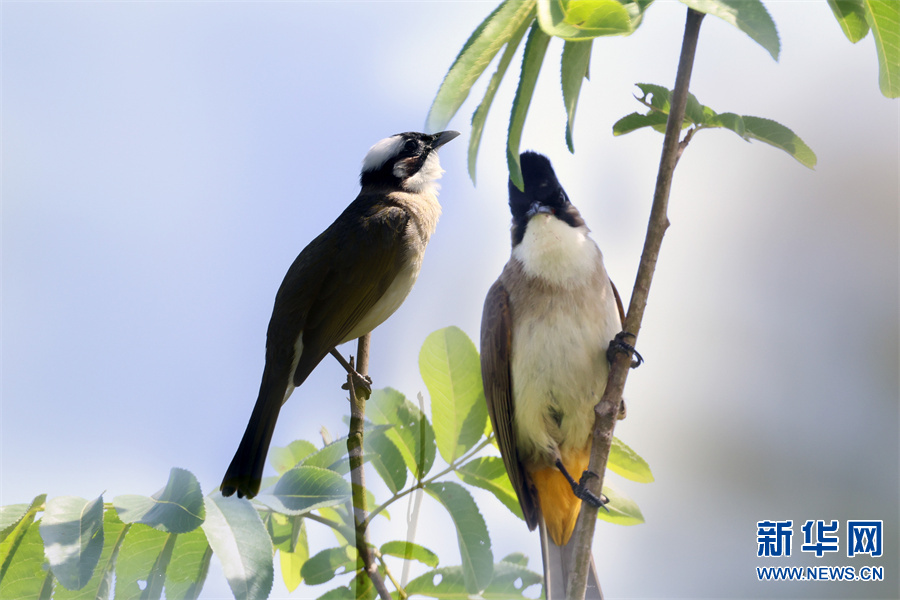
x=406 y=161
x=543 y=195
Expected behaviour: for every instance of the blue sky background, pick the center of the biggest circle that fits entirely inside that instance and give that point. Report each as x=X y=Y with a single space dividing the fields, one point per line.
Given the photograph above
x=163 y=164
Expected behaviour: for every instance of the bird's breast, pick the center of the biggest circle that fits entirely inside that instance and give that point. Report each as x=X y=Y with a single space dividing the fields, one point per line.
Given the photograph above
x=559 y=366
x=392 y=298
x=423 y=210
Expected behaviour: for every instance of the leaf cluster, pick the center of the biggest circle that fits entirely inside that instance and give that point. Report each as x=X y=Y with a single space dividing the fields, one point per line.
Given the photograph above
x=147 y=546
x=698 y=116
x=579 y=22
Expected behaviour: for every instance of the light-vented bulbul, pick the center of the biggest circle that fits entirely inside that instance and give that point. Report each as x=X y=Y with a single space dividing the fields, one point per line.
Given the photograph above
x=546 y=328
x=345 y=283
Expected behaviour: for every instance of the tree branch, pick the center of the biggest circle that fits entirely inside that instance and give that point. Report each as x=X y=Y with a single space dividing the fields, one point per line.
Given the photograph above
x=357 y=474
x=608 y=408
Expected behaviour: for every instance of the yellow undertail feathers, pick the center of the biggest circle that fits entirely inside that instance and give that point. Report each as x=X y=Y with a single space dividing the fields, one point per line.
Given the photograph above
x=559 y=505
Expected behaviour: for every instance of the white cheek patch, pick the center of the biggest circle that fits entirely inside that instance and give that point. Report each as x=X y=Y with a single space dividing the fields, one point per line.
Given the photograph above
x=425 y=178
x=382 y=152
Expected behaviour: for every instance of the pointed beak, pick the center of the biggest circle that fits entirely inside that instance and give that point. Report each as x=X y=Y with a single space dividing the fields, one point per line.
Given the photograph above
x=538 y=208
x=439 y=139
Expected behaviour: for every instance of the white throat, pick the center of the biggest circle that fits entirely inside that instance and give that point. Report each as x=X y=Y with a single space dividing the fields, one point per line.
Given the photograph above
x=425 y=179
x=556 y=252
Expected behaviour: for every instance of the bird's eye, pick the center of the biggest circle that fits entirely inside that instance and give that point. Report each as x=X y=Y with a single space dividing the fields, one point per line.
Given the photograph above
x=411 y=146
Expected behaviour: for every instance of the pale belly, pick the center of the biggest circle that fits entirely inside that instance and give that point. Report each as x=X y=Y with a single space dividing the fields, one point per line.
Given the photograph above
x=559 y=373
x=389 y=302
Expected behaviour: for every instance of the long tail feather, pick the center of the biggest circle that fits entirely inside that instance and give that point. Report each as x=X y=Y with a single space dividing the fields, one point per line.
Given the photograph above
x=557 y=564
x=244 y=474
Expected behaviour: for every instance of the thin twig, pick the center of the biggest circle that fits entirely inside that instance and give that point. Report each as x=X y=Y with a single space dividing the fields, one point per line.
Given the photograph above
x=339 y=527
x=420 y=484
x=415 y=502
x=340 y=358
x=357 y=474
x=608 y=408
x=387 y=571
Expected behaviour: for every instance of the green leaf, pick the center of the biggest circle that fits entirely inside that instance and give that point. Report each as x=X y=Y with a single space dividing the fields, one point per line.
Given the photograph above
x=240 y=541
x=471 y=533
x=488 y=473
x=371 y=502
x=635 y=121
x=883 y=16
x=306 y=488
x=851 y=16
x=190 y=564
x=532 y=59
x=288 y=457
x=12 y=514
x=481 y=47
x=576 y=60
x=286 y=531
x=138 y=560
x=410 y=551
x=583 y=19
x=765 y=130
x=451 y=369
x=636 y=10
x=411 y=433
x=101 y=582
x=333 y=457
x=750 y=16
x=622 y=509
x=177 y=508
x=627 y=463
x=386 y=458
x=728 y=121
x=776 y=134
x=15 y=519
x=323 y=567
x=340 y=593
x=509 y=581
x=516 y=558
x=26 y=574
x=447 y=582
x=365 y=588
x=280 y=528
x=659 y=98
x=157 y=577
x=295 y=556
x=72 y=530
x=480 y=115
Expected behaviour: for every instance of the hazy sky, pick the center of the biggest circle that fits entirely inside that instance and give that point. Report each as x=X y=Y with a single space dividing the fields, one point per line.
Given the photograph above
x=163 y=164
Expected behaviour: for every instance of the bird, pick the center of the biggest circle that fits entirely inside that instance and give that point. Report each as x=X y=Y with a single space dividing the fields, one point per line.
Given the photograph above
x=345 y=282
x=546 y=330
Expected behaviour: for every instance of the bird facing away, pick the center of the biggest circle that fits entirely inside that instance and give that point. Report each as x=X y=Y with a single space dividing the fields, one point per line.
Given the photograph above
x=345 y=283
x=545 y=330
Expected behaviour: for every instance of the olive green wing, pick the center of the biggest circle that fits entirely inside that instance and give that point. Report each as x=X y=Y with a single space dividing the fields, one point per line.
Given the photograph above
x=359 y=257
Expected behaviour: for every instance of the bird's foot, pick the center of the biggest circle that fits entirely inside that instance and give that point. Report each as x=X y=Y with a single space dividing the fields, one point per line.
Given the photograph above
x=362 y=384
x=579 y=488
x=618 y=344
